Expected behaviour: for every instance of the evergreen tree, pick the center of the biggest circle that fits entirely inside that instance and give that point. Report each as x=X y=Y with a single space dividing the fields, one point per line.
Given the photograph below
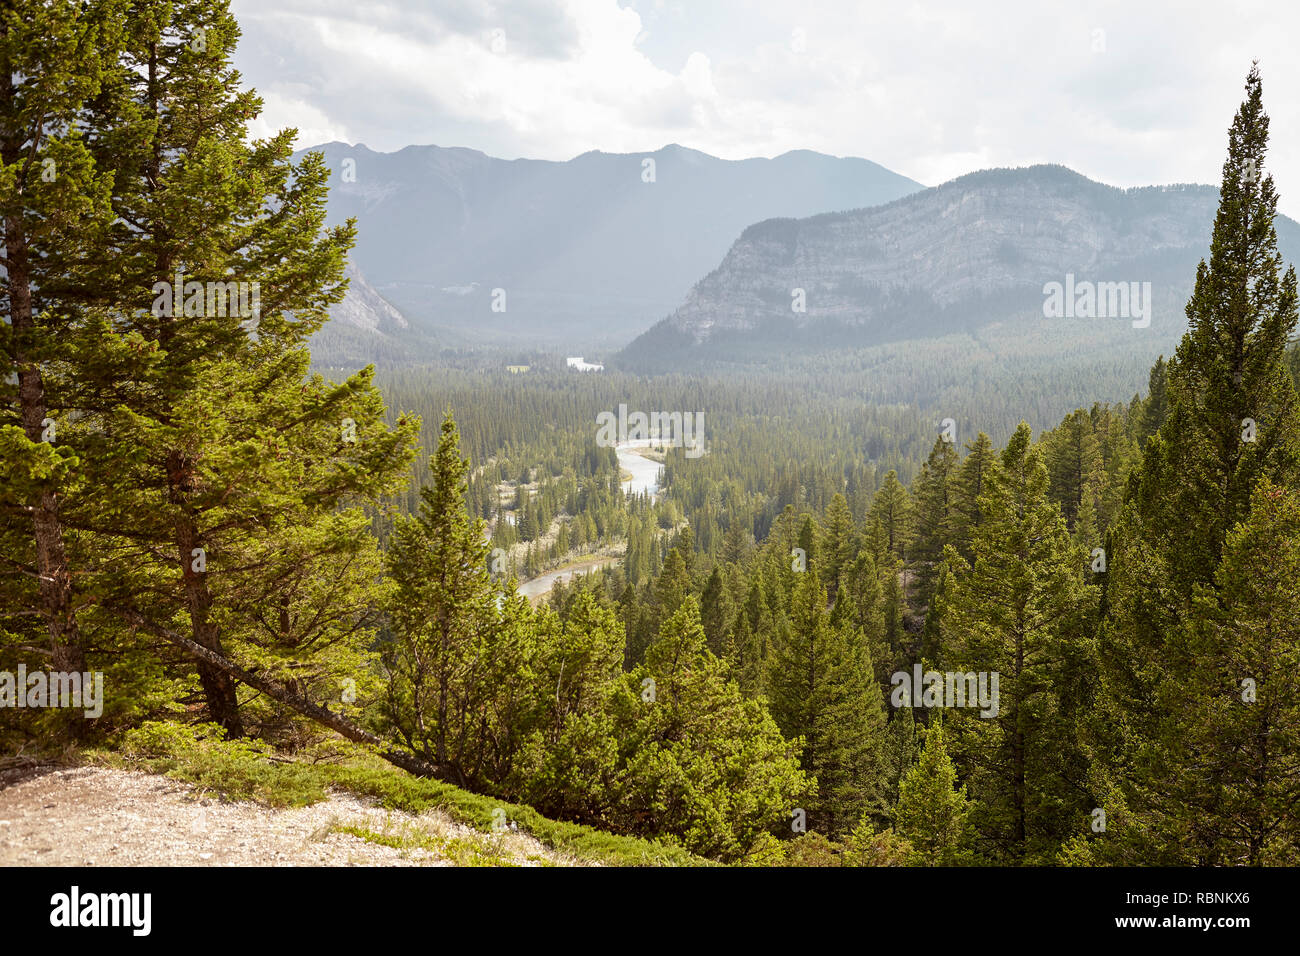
x=807 y=541
x=1242 y=715
x=672 y=586
x=229 y=486
x=1156 y=407
x=822 y=689
x=934 y=502
x=902 y=747
x=707 y=767
x=1074 y=464
x=969 y=486
x=54 y=212
x=839 y=543
x=564 y=728
x=893 y=613
x=442 y=613
x=718 y=612
x=932 y=812
x=1020 y=611
x=890 y=515
x=1231 y=422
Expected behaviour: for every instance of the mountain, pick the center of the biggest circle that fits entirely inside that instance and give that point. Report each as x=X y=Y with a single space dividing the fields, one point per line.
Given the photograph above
x=588 y=252
x=362 y=328
x=971 y=257
x=364 y=308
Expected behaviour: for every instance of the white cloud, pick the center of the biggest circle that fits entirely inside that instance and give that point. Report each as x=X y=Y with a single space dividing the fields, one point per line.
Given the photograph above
x=280 y=111
x=930 y=89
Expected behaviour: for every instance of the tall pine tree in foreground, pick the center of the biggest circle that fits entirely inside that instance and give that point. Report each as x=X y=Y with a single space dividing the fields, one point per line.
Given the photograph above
x=1020 y=610
x=442 y=612
x=1231 y=423
x=233 y=506
x=54 y=211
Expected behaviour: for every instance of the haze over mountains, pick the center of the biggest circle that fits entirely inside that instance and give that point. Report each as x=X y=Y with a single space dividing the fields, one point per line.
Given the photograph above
x=952 y=259
x=699 y=267
x=589 y=253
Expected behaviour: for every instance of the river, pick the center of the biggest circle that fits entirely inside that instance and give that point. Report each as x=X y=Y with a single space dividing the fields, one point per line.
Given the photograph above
x=540 y=586
x=644 y=471
x=645 y=478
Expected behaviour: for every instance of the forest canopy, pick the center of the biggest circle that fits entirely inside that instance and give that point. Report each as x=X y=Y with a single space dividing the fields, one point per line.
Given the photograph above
x=245 y=547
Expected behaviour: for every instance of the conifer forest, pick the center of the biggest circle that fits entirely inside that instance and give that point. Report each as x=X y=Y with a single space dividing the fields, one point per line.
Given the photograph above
x=879 y=525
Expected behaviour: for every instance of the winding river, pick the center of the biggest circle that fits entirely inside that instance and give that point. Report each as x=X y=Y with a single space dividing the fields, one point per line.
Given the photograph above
x=645 y=478
x=644 y=471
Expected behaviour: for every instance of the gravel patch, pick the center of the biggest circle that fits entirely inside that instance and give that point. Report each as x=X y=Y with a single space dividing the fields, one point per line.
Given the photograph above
x=90 y=816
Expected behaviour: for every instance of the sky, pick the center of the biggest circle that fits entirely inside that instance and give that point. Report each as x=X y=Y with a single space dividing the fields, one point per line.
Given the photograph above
x=1130 y=93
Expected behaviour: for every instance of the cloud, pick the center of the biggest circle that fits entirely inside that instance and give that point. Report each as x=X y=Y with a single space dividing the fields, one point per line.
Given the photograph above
x=1126 y=93
x=281 y=111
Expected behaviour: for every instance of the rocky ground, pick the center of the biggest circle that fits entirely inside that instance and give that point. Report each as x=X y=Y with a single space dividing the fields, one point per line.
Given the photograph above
x=92 y=816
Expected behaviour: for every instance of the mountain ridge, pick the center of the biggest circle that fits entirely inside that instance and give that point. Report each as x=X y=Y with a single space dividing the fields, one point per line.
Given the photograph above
x=588 y=251
x=972 y=251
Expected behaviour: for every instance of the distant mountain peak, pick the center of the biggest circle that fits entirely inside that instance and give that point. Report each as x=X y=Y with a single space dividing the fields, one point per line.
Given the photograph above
x=587 y=252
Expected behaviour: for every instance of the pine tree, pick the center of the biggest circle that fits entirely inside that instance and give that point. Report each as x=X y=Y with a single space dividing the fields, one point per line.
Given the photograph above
x=1231 y=422
x=807 y=541
x=890 y=515
x=718 y=612
x=1241 y=717
x=862 y=592
x=969 y=486
x=1156 y=406
x=442 y=611
x=737 y=542
x=839 y=543
x=1023 y=612
x=902 y=747
x=1074 y=464
x=672 y=586
x=228 y=485
x=685 y=546
x=822 y=689
x=567 y=744
x=706 y=767
x=894 y=611
x=932 y=812
x=54 y=211
x=934 y=514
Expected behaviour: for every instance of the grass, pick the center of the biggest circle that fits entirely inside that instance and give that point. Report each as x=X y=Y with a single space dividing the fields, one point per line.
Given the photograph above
x=248 y=770
x=459 y=850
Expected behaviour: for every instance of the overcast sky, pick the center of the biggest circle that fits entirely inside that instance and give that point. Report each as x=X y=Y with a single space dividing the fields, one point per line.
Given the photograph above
x=1128 y=93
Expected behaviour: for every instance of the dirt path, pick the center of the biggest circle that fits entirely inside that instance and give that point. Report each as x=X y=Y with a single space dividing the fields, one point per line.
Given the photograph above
x=96 y=816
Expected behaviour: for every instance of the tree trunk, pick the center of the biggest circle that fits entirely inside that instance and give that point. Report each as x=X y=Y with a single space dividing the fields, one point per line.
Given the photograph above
x=218 y=687
x=51 y=556
x=290 y=698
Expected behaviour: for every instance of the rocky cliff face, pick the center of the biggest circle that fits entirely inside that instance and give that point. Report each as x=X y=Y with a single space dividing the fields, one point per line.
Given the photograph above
x=364 y=308
x=365 y=327
x=588 y=252
x=975 y=250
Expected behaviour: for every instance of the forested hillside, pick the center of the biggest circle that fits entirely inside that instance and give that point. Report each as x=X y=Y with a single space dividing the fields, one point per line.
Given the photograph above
x=314 y=569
